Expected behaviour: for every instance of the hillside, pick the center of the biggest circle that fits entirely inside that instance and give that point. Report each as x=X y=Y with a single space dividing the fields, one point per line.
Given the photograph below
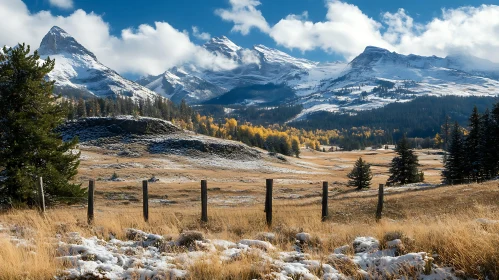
x=135 y=136
x=262 y=95
x=421 y=117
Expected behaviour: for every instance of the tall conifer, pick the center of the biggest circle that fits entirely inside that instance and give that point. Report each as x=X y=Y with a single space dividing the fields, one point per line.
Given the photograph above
x=29 y=146
x=404 y=167
x=472 y=146
x=360 y=176
x=454 y=172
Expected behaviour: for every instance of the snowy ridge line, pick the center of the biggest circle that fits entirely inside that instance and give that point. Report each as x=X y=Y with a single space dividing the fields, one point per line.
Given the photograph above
x=360 y=84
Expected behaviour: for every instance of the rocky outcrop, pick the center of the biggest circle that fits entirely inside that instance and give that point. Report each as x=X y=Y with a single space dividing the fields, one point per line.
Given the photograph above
x=94 y=128
x=125 y=133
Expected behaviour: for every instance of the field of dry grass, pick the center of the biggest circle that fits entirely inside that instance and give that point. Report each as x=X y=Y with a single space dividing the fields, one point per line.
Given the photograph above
x=450 y=221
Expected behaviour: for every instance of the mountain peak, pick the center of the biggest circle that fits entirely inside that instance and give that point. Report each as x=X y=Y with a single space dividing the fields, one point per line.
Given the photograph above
x=374 y=49
x=370 y=55
x=58 y=41
x=57 y=30
x=224 y=46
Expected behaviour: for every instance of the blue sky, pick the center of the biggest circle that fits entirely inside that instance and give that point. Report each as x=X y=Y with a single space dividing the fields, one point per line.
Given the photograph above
x=185 y=14
x=147 y=37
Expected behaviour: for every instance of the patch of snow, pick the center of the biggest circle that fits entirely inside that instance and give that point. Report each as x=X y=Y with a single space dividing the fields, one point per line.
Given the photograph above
x=264 y=245
x=365 y=244
x=144 y=257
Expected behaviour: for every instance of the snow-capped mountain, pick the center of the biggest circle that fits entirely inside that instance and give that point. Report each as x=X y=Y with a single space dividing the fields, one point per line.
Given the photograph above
x=178 y=84
x=378 y=77
x=259 y=65
x=373 y=79
x=77 y=71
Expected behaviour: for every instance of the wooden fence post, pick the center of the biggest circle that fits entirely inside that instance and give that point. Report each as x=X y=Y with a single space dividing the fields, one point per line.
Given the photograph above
x=41 y=196
x=268 y=201
x=91 y=190
x=379 y=210
x=324 y=200
x=145 y=201
x=204 y=201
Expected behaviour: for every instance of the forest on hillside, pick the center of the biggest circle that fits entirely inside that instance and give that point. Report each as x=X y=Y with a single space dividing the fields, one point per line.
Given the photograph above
x=420 y=118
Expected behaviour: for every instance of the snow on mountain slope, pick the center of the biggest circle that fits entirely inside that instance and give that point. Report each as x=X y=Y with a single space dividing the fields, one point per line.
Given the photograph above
x=177 y=84
x=224 y=46
x=263 y=65
x=373 y=79
x=378 y=77
x=474 y=65
x=77 y=71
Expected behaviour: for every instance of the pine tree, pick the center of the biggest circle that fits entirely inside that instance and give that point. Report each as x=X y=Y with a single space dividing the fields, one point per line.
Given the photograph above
x=360 y=176
x=404 y=167
x=445 y=132
x=295 y=146
x=454 y=172
x=472 y=146
x=494 y=150
x=29 y=147
x=81 y=110
x=488 y=160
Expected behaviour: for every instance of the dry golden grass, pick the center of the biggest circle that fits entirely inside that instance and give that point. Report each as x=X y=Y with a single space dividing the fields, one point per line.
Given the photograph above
x=439 y=220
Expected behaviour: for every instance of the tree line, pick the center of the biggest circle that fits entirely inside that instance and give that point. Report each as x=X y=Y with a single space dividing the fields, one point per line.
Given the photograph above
x=421 y=117
x=271 y=138
x=472 y=154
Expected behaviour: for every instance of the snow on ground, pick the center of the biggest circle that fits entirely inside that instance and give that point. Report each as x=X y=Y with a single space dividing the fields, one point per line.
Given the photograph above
x=151 y=256
x=255 y=165
x=396 y=189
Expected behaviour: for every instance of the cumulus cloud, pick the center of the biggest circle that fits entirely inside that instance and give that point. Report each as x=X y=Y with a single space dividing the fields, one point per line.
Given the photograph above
x=346 y=30
x=63 y=4
x=200 y=35
x=470 y=30
x=245 y=16
x=250 y=57
x=144 y=50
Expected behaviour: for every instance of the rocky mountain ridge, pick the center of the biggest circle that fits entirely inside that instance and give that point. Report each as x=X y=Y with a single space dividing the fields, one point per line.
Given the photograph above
x=78 y=73
x=373 y=79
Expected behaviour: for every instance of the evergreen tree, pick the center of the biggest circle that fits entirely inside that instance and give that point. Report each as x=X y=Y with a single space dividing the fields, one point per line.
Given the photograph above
x=472 y=146
x=454 y=172
x=295 y=146
x=404 y=167
x=29 y=147
x=488 y=159
x=360 y=176
x=445 y=132
x=494 y=151
x=81 y=110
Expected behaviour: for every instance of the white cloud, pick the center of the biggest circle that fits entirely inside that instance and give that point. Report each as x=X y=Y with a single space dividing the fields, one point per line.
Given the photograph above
x=145 y=50
x=250 y=57
x=470 y=30
x=244 y=15
x=63 y=4
x=346 y=30
x=200 y=35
